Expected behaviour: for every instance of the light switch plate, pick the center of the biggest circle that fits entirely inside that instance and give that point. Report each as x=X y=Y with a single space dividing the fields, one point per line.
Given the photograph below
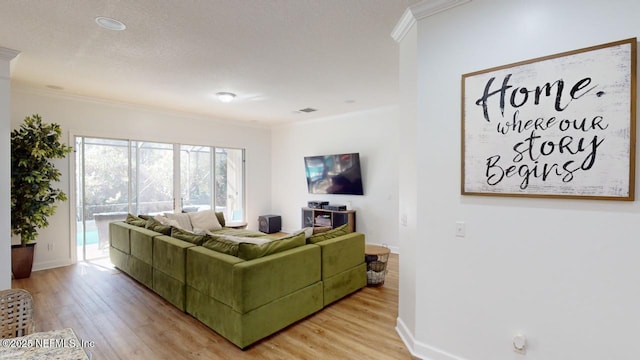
x=460 y=229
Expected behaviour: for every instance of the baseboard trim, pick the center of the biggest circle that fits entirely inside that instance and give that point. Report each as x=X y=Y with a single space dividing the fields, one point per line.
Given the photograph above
x=45 y=265
x=419 y=349
x=406 y=337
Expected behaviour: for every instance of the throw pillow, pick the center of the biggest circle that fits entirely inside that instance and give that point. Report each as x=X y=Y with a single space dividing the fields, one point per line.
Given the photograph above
x=182 y=219
x=220 y=216
x=187 y=236
x=155 y=225
x=221 y=245
x=166 y=221
x=204 y=220
x=339 y=231
x=252 y=251
x=134 y=220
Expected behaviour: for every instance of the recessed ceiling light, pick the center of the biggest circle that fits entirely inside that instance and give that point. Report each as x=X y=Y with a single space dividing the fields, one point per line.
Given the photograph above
x=225 y=97
x=110 y=24
x=308 y=110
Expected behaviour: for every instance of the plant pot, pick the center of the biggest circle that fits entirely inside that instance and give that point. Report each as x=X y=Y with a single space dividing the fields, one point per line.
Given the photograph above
x=22 y=260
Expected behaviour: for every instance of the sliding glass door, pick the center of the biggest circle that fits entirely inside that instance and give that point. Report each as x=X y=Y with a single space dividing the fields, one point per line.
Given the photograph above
x=230 y=183
x=152 y=177
x=102 y=192
x=116 y=177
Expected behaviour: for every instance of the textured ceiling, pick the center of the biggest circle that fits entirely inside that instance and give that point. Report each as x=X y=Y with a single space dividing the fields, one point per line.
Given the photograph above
x=278 y=56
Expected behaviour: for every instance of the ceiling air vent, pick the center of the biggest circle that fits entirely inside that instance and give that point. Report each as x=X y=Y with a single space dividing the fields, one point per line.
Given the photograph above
x=308 y=110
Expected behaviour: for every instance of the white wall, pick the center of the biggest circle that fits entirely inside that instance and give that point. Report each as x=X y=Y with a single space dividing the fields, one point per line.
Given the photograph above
x=90 y=117
x=407 y=185
x=565 y=273
x=6 y=55
x=373 y=134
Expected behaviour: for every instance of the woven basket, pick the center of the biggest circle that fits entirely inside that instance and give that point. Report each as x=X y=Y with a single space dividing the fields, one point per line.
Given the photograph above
x=377 y=266
x=16 y=313
x=375 y=277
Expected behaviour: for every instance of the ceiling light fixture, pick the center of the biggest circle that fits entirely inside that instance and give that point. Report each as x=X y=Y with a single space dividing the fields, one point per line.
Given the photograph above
x=110 y=24
x=225 y=97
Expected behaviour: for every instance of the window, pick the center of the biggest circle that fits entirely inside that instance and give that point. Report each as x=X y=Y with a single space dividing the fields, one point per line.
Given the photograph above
x=116 y=177
x=196 y=176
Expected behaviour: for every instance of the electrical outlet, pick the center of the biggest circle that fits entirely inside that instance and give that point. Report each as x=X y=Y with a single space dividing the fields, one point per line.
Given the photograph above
x=520 y=344
x=460 y=229
x=50 y=246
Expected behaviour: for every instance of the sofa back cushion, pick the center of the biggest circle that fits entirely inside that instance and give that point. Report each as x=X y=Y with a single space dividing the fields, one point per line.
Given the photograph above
x=248 y=251
x=220 y=216
x=134 y=220
x=188 y=236
x=339 y=231
x=221 y=245
x=155 y=225
x=228 y=244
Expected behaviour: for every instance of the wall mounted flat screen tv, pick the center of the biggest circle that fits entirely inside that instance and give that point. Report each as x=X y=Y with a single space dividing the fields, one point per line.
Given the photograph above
x=334 y=174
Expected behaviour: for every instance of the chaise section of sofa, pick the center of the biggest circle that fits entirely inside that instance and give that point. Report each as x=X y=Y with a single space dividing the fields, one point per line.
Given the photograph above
x=245 y=301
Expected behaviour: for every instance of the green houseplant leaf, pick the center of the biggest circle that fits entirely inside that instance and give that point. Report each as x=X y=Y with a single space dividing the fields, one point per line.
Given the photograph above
x=33 y=198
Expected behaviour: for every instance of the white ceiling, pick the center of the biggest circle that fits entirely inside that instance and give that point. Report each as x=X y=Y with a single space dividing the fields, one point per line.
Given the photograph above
x=278 y=56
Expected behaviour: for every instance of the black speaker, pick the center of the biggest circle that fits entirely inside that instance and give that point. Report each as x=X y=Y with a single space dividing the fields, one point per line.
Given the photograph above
x=269 y=223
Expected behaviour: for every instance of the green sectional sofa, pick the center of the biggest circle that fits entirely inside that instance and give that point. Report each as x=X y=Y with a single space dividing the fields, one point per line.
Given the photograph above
x=244 y=291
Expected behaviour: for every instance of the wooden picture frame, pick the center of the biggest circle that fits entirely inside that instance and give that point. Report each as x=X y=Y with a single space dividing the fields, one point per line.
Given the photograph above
x=559 y=126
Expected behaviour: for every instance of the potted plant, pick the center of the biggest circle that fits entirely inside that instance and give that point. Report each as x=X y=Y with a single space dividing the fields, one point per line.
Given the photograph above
x=33 y=198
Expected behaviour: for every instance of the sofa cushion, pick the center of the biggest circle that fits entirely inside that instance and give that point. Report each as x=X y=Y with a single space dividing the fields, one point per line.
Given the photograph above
x=339 y=231
x=142 y=244
x=252 y=251
x=155 y=225
x=221 y=245
x=119 y=236
x=220 y=216
x=321 y=229
x=169 y=256
x=205 y=220
x=134 y=220
x=187 y=236
x=308 y=231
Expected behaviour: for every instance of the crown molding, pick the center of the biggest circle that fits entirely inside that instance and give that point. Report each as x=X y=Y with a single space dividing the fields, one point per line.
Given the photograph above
x=420 y=11
x=8 y=54
x=403 y=26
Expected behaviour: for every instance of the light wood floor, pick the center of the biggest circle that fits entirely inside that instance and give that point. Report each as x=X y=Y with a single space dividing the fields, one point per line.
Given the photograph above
x=128 y=321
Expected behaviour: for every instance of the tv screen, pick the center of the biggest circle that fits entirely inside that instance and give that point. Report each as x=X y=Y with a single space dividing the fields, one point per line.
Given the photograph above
x=334 y=174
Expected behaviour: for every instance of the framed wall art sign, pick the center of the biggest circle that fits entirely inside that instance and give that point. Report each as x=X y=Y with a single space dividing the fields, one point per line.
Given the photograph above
x=558 y=126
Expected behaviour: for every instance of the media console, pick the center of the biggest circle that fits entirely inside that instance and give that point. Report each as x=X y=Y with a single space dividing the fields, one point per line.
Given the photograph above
x=333 y=218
